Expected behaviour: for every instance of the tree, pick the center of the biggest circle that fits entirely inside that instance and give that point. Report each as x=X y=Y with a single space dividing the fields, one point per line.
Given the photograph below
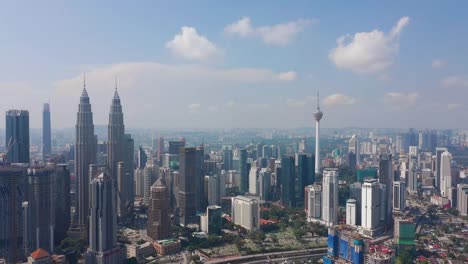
x=405 y=257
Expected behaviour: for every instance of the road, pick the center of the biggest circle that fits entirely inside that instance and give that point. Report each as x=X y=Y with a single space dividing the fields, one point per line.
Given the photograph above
x=274 y=257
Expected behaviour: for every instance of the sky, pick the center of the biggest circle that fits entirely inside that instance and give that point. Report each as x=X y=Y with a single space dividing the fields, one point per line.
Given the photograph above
x=238 y=64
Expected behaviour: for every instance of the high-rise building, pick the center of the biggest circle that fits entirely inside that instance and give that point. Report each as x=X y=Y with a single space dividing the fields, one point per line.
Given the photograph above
x=439 y=151
x=213 y=189
x=288 y=181
x=264 y=183
x=213 y=215
x=371 y=207
x=142 y=158
x=175 y=146
x=355 y=193
x=190 y=179
x=386 y=177
x=42 y=198
x=412 y=175
x=46 y=131
x=103 y=247
x=305 y=174
x=159 y=226
x=445 y=173
x=63 y=202
x=351 y=212
x=12 y=191
x=399 y=195
x=254 y=188
x=115 y=140
x=243 y=171
x=150 y=174
x=246 y=212
x=160 y=149
x=313 y=202
x=17 y=136
x=227 y=158
x=462 y=199
x=85 y=154
x=353 y=147
x=330 y=196
x=317 y=116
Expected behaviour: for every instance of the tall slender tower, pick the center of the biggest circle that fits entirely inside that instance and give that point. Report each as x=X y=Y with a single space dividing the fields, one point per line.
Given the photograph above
x=115 y=141
x=46 y=133
x=317 y=116
x=85 y=154
x=17 y=136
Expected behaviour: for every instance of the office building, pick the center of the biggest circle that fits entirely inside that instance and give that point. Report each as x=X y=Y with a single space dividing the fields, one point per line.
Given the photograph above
x=264 y=183
x=46 y=131
x=211 y=221
x=190 y=181
x=243 y=171
x=253 y=179
x=103 y=247
x=371 y=207
x=439 y=151
x=85 y=154
x=386 y=177
x=399 y=195
x=288 y=181
x=142 y=158
x=330 y=196
x=12 y=191
x=355 y=193
x=17 y=136
x=159 y=226
x=351 y=212
x=404 y=232
x=305 y=174
x=213 y=189
x=462 y=199
x=63 y=202
x=246 y=212
x=227 y=158
x=353 y=147
x=445 y=173
x=175 y=146
x=317 y=116
x=313 y=202
x=412 y=175
x=160 y=149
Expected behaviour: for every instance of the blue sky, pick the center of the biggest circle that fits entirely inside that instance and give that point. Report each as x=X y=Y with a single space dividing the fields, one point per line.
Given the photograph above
x=222 y=64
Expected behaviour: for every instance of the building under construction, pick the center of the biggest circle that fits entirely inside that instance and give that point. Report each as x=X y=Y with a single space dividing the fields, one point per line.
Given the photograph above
x=345 y=245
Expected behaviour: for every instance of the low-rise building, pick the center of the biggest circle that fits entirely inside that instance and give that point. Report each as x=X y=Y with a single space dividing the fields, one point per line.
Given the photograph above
x=141 y=252
x=40 y=256
x=167 y=246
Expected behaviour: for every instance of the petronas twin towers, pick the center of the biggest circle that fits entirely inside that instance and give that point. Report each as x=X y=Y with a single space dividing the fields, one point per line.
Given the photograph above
x=119 y=157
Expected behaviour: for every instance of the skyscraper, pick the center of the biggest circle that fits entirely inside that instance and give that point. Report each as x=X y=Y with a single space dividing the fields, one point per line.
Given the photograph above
x=371 y=204
x=439 y=151
x=317 y=116
x=313 y=202
x=288 y=181
x=17 y=136
x=399 y=193
x=189 y=184
x=160 y=149
x=246 y=212
x=116 y=130
x=445 y=173
x=85 y=154
x=158 y=211
x=142 y=158
x=386 y=177
x=354 y=147
x=46 y=131
x=103 y=246
x=243 y=171
x=305 y=174
x=330 y=197
x=264 y=183
x=62 y=209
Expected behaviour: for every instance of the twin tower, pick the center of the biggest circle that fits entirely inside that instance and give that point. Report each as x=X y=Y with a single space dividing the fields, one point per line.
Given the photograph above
x=119 y=157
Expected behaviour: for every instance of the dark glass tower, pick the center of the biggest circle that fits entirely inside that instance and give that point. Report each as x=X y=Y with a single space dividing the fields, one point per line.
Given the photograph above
x=46 y=131
x=288 y=180
x=85 y=154
x=190 y=184
x=243 y=171
x=17 y=136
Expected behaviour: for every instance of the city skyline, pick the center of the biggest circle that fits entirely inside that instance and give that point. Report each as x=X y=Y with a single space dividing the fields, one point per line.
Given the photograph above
x=215 y=68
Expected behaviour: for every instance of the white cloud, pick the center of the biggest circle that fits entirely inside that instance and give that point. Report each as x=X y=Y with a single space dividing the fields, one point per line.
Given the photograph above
x=194 y=108
x=188 y=44
x=438 y=64
x=455 y=81
x=338 y=99
x=453 y=106
x=287 y=76
x=296 y=103
x=401 y=99
x=368 y=52
x=279 y=34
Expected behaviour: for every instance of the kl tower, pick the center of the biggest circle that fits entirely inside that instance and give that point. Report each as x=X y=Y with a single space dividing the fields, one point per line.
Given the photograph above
x=317 y=116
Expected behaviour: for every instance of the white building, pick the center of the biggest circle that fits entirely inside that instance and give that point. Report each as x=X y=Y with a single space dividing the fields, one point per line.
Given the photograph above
x=445 y=173
x=351 y=212
x=412 y=176
x=462 y=199
x=330 y=197
x=246 y=212
x=313 y=202
x=371 y=207
x=253 y=179
x=399 y=195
